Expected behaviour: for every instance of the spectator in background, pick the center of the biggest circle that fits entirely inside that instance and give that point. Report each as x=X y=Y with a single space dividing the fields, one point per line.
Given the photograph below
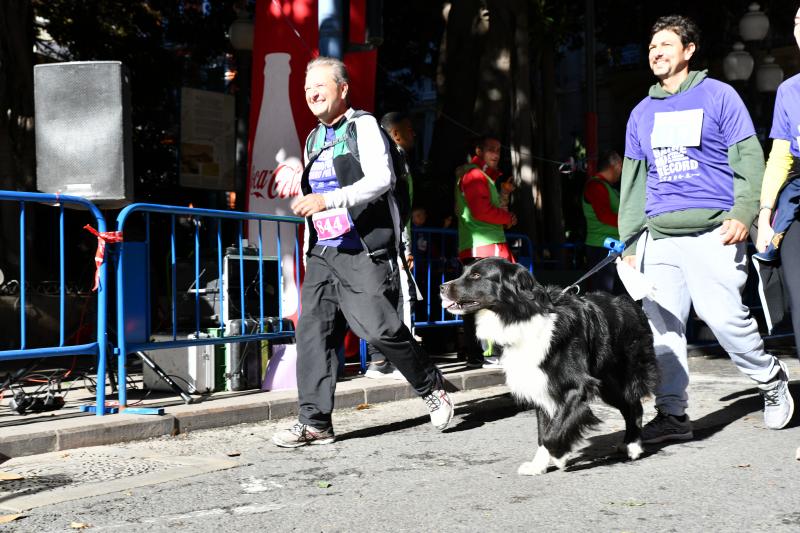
x=481 y=222
x=600 y=206
x=419 y=216
x=401 y=130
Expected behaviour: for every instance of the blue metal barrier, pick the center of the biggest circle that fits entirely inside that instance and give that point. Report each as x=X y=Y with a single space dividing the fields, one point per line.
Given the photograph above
x=126 y=343
x=98 y=346
x=437 y=250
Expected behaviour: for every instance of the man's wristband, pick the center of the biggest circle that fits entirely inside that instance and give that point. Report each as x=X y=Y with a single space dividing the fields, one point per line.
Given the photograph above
x=764 y=207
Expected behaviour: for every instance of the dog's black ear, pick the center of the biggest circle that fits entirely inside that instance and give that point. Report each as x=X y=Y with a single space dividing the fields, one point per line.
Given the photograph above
x=522 y=279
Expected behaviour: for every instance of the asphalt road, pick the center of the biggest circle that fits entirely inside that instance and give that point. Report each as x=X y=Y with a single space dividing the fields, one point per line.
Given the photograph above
x=391 y=471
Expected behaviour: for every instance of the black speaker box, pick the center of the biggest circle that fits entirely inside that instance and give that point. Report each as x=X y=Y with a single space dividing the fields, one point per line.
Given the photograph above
x=83 y=130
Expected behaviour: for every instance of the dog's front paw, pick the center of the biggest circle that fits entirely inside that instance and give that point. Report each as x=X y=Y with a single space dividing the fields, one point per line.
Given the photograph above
x=531 y=468
x=561 y=462
x=539 y=464
x=634 y=450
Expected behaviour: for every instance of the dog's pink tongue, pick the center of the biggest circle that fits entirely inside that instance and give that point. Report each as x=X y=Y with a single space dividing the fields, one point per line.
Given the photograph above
x=447 y=303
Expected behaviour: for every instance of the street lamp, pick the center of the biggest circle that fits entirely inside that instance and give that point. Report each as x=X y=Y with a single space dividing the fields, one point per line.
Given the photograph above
x=738 y=64
x=754 y=25
x=241 y=37
x=241 y=32
x=769 y=75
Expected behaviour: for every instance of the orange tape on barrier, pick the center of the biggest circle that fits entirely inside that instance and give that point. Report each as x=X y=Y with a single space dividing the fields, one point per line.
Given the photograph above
x=102 y=239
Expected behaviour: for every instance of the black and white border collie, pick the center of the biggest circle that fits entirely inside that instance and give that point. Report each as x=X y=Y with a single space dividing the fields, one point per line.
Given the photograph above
x=559 y=352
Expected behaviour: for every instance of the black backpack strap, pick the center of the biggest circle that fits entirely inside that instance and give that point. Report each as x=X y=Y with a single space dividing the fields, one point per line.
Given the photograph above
x=312 y=139
x=350 y=133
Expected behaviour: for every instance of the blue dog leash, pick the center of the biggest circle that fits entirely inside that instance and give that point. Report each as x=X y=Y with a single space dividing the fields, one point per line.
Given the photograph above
x=615 y=248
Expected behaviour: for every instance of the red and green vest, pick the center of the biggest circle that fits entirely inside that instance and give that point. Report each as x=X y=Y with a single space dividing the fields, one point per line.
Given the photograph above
x=471 y=231
x=596 y=231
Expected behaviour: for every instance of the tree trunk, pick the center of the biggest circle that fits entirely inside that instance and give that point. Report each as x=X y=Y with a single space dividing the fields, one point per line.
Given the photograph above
x=552 y=207
x=485 y=87
x=17 y=152
x=457 y=82
x=528 y=197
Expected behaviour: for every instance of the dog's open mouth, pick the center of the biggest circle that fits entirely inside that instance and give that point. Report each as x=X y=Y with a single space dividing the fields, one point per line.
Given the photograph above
x=460 y=307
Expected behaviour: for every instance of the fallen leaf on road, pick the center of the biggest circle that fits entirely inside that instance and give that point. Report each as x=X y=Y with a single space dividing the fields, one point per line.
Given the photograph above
x=629 y=503
x=323 y=484
x=233 y=454
x=362 y=406
x=9 y=476
x=79 y=525
x=6 y=518
x=743 y=465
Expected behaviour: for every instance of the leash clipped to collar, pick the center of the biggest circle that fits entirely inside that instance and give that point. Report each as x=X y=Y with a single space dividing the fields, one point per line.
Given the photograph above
x=615 y=248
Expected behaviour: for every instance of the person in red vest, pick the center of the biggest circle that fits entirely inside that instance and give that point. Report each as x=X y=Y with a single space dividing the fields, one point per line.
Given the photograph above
x=481 y=222
x=600 y=206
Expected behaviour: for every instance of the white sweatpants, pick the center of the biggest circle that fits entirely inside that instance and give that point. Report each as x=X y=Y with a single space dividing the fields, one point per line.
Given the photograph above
x=699 y=270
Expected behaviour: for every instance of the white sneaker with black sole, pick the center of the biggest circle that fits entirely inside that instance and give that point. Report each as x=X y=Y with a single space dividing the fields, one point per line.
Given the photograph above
x=778 y=402
x=303 y=435
x=440 y=407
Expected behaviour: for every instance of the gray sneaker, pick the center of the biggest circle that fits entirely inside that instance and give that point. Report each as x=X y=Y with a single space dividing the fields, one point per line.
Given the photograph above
x=665 y=427
x=383 y=370
x=301 y=435
x=778 y=403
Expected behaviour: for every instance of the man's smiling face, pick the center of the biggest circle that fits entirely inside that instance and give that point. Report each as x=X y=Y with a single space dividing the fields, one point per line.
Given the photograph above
x=667 y=55
x=325 y=98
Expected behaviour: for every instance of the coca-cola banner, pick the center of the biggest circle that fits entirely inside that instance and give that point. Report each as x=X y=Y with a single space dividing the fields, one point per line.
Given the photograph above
x=286 y=39
x=278 y=119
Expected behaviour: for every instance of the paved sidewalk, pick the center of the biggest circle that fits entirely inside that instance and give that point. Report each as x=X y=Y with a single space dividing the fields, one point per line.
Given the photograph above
x=68 y=428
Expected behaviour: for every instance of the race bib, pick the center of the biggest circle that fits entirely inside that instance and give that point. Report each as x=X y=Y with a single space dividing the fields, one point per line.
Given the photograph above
x=677 y=128
x=331 y=223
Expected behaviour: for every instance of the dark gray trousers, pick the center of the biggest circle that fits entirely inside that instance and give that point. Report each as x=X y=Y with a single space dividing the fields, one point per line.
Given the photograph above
x=790 y=270
x=351 y=288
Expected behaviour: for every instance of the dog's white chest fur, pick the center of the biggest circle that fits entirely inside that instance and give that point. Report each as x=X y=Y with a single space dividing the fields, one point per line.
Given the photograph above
x=525 y=345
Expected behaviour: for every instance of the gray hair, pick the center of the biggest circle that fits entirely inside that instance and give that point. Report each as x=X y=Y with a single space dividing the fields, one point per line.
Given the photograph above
x=338 y=68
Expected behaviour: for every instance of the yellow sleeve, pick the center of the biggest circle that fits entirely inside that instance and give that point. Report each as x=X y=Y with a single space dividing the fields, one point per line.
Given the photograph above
x=778 y=166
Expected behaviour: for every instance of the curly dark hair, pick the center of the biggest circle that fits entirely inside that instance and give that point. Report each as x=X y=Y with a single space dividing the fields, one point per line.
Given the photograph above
x=683 y=27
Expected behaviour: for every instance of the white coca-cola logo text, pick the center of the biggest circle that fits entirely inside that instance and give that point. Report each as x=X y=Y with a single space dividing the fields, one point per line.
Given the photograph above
x=283 y=182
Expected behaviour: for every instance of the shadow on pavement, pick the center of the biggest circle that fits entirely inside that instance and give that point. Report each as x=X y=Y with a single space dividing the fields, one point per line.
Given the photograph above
x=473 y=414
x=606 y=450
x=28 y=486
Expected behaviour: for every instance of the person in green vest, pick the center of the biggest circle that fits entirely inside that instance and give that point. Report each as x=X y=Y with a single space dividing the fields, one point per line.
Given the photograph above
x=600 y=207
x=481 y=222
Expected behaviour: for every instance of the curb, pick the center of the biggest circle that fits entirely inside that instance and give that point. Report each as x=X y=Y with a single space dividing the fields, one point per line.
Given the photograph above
x=81 y=431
